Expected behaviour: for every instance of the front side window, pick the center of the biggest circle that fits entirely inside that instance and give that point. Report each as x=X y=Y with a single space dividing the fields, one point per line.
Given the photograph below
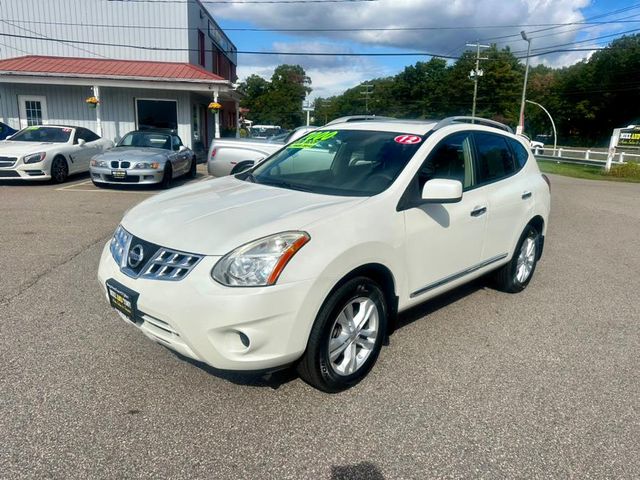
x=146 y=140
x=450 y=159
x=176 y=143
x=495 y=160
x=339 y=162
x=43 y=134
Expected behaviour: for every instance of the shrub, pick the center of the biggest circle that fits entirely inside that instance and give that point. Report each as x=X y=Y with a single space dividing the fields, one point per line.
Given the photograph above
x=626 y=170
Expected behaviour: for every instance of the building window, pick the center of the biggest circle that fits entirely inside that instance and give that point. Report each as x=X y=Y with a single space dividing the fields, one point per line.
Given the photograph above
x=201 y=58
x=157 y=114
x=33 y=109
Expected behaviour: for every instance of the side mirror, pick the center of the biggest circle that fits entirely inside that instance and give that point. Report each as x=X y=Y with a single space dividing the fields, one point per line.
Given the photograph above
x=8 y=137
x=81 y=142
x=442 y=190
x=182 y=148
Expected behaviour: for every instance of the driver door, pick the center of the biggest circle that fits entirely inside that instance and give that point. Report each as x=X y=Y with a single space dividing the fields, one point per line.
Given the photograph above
x=445 y=241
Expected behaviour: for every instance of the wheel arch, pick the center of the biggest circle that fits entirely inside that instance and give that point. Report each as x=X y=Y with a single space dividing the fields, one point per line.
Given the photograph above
x=382 y=275
x=538 y=223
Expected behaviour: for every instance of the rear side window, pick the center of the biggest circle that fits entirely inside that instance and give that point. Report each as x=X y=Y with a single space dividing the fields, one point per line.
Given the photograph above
x=495 y=160
x=521 y=153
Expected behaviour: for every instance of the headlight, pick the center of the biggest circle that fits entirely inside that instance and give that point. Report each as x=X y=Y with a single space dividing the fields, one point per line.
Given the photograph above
x=259 y=263
x=34 y=157
x=147 y=165
x=99 y=164
x=119 y=243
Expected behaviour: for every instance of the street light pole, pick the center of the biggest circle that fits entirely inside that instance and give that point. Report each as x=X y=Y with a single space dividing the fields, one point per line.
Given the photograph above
x=520 y=128
x=553 y=125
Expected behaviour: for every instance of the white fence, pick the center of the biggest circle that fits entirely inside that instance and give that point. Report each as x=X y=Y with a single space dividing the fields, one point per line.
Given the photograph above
x=586 y=154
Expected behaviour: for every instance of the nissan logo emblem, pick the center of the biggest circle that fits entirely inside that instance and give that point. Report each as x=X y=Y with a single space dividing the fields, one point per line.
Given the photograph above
x=136 y=255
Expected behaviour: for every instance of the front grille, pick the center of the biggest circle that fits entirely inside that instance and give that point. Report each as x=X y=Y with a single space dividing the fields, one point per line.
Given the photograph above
x=127 y=179
x=120 y=164
x=7 y=161
x=138 y=258
x=170 y=265
x=8 y=174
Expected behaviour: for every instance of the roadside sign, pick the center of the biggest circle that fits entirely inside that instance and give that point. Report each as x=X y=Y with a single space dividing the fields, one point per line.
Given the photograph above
x=629 y=137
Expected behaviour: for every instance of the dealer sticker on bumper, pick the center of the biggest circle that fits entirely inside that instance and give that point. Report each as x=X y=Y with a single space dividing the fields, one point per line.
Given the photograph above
x=123 y=299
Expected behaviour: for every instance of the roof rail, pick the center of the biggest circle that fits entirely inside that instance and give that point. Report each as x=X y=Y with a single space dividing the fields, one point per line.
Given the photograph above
x=358 y=118
x=479 y=121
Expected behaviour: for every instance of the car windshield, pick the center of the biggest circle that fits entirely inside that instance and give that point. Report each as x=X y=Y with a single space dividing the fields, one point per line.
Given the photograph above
x=42 y=134
x=338 y=162
x=264 y=132
x=146 y=140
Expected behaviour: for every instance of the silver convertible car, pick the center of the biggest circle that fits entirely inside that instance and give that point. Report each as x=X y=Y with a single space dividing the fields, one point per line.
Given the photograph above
x=144 y=157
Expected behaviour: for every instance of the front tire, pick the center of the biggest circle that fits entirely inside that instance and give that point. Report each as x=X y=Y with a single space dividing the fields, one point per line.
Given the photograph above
x=347 y=336
x=516 y=275
x=59 y=170
x=167 y=176
x=193 y=170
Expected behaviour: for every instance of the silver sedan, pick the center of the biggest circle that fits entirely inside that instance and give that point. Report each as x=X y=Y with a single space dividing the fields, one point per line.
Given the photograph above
x=144 y=157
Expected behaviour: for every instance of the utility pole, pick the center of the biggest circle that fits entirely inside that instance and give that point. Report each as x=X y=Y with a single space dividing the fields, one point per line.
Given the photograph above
x=476 y=74
x=520 y=128
x=366 y=90
x=326 y=104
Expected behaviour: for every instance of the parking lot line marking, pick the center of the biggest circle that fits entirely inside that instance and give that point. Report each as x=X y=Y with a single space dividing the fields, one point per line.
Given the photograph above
x=85 y=182
x=109 y=191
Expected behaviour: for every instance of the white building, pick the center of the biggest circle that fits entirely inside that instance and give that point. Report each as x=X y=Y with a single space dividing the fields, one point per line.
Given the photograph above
x=151 y=63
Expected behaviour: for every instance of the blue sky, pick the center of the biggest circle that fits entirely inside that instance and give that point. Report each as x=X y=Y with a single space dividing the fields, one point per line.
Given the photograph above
x=459 y=18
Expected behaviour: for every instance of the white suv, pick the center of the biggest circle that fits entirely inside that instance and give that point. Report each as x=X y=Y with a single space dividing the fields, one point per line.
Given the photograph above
x=308 y=257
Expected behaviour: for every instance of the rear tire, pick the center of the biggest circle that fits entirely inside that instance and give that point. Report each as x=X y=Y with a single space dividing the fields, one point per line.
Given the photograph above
x=59 y=170
x=167 y=176
x=516 y=275
x=346 y=337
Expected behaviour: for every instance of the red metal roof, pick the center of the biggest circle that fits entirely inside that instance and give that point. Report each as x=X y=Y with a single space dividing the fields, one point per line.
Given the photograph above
x=116 y=69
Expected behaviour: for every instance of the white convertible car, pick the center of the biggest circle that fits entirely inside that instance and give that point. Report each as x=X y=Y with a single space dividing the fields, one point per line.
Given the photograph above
x=49 y=152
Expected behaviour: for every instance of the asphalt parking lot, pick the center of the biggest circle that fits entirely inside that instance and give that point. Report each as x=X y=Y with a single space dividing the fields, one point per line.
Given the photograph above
x=475 y=384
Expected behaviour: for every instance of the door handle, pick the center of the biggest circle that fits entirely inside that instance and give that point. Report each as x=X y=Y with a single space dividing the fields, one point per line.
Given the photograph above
x=477 y=211
x=526 y=195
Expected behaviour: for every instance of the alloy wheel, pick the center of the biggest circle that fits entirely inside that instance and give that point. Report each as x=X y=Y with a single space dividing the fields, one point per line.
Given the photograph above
x=353 y=336
x=526 y=259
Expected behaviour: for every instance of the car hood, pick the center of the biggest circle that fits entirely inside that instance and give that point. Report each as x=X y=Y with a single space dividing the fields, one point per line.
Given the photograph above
x=216 y=216
x=18 y=149
x=129 y=153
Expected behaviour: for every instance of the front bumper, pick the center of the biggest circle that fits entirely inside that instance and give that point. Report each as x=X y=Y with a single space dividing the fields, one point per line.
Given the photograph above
x=31 y=171
x=133 y=176
x=204 y=320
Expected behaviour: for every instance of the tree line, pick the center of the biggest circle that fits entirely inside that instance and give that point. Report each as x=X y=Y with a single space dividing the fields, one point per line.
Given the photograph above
x=587 y=100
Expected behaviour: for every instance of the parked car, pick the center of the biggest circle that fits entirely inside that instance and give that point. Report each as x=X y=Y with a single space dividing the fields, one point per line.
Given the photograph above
x=144 y=157
x=307 y=258
x=6 y=131
x=536 y=146
x=264 y=131
x=49 y=152
x=232 y=155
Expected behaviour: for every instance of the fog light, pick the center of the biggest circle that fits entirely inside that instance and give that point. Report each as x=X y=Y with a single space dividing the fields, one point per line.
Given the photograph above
x=244 y=339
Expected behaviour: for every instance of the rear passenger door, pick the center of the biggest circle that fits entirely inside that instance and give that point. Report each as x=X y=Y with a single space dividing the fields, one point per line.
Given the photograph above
x=499 y=162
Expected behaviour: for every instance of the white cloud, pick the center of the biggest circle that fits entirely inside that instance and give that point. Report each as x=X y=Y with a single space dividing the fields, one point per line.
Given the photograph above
x=332 y=74
x=414 y=14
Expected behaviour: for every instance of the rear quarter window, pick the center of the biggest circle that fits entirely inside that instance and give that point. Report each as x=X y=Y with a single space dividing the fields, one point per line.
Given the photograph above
x=521 y=153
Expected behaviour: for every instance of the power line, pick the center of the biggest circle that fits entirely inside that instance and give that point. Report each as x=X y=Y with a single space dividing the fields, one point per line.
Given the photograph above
x=308 y=54
x=240 y=2
x=44 y=36
x=364 y=29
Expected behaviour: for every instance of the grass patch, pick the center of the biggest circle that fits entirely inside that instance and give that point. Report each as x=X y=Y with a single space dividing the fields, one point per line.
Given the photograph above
x=629 y=172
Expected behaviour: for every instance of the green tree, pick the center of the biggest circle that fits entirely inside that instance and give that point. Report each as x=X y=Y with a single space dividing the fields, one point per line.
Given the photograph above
x=278 y=101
